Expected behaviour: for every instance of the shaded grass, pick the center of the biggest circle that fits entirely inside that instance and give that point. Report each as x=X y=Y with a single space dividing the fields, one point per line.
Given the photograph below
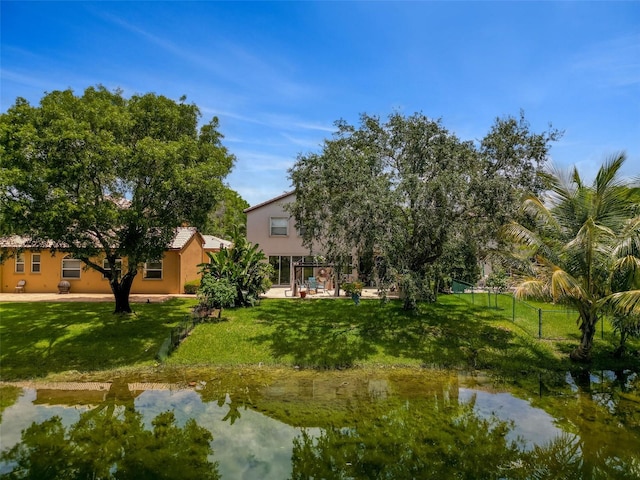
x=75 y=339
x=42 y=338
x=338 y=334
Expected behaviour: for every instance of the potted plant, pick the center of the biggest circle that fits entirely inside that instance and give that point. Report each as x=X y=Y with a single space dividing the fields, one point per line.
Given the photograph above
x=64 y=287
x=353 y=290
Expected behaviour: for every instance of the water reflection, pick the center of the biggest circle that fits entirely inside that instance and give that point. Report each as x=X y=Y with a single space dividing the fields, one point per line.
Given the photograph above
x=327 y=425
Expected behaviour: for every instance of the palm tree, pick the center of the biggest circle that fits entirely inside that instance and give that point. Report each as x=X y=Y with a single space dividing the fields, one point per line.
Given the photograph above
x=582 y=237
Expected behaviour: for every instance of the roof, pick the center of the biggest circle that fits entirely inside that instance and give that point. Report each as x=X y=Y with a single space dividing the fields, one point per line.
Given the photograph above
x=13 y=241
x=181 y=238
x=212 y=243
x=275 y=199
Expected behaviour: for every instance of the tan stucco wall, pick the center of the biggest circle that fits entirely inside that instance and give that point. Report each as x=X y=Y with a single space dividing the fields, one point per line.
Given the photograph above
x=190 y=257
x=175 y=270
x=170 y=282
x=49 y=276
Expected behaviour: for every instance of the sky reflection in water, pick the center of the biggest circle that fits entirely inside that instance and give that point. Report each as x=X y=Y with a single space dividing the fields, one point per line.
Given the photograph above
x=305 y=417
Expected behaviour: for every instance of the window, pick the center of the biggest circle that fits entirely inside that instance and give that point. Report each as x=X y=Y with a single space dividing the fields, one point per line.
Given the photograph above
x=279 y=227
x=71 y=267
x=281 y=269
x=153 y=270
x=105 y=265
x=301 y=230
x=20 y=263
x=35 y=263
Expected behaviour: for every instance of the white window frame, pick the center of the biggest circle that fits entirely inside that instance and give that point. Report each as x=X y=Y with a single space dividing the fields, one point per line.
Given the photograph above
x=105 y=265
x=78 y=269
x=36 y=263
x=272 y=225
x=20 y=263
x=145 y=275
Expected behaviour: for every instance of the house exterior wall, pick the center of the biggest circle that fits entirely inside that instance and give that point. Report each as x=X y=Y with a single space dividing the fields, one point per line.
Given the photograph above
x=170 y=281
x=259 y=231
x=178 y=267
x=191 y=256
x=281 y=250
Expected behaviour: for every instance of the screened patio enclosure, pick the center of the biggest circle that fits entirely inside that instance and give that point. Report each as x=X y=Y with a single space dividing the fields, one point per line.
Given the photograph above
x=287 y=269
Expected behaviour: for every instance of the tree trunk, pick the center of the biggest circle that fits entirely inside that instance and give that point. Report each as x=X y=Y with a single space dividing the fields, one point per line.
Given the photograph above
x=583 y=352
x=336 y=290
x=121 y=292
x=622 y=348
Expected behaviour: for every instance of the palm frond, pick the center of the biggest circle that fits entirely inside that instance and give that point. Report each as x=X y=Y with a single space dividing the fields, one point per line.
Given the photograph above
x=591 y=235
x=625 y=303
x=563 y=185
x=575 y=177
x=607 y=175
x=564 y=285
x=629 y=239
x=532 y=288
x=535 y=207
x=522 y=236
x=627 y=263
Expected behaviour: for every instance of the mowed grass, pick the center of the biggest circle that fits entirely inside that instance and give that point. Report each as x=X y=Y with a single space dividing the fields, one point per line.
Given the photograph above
x=41 y=338
x=335 y=333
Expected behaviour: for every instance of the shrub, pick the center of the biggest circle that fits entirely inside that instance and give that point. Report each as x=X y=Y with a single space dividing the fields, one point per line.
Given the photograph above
x=216 y=293
x=191 y=287
x=353 y=287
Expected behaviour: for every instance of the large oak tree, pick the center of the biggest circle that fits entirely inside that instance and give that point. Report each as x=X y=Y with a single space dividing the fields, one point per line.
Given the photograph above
x=104 y=177
x=402 y=191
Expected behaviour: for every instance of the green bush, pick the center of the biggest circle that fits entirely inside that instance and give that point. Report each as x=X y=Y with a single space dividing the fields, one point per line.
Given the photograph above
x=191 y=287
x=353 y=287
x=244 y=266
x=217 y=293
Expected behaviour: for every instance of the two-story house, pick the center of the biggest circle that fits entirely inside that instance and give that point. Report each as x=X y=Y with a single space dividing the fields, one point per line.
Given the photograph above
x=271 y=227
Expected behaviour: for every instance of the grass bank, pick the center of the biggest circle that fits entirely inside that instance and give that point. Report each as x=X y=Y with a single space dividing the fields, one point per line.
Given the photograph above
x=70 y=339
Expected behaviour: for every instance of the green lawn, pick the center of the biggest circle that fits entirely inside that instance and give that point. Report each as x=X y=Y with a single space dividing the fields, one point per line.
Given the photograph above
x=536 y=318
x=40 y=339
x=338 y=334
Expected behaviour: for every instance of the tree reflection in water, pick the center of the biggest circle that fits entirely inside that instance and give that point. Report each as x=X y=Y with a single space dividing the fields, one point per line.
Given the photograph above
x=351 y=425
x=107 y=445
x=409 y=441
x=438 y=437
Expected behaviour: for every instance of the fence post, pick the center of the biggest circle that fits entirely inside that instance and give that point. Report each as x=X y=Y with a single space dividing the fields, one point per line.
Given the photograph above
x=513 y=313
x=472 y=299
x=489 y=296
x=539 y=323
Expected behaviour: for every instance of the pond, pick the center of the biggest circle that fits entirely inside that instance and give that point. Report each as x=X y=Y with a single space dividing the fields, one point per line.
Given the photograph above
x=391 y=424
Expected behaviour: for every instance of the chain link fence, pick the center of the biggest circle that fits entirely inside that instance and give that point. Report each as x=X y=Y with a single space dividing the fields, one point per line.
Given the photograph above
x=540 y=320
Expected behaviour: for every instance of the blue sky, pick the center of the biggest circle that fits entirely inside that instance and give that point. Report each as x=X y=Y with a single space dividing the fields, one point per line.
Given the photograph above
x=279 y=74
